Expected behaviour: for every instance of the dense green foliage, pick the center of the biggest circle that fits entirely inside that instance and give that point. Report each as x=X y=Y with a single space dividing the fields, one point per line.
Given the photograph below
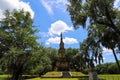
x=75 y=59
x=17 y=42
x=19 y=51
x=107 y=68
x=40 y=62
x=103 y=23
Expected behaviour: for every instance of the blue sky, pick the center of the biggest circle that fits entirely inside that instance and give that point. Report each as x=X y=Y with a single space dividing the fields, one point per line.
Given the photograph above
x=51 y=18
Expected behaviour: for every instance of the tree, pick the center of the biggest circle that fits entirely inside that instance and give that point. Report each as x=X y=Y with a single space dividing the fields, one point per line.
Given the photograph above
x=40 y=62
x=91 y=51
x=102 y=16
x=75 y=59
x=52 y=53
x=80 y=62
x=70 y=53
x=107 y=68
x=17 y=41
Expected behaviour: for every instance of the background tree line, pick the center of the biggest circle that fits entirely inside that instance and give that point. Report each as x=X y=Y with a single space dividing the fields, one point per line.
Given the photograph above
x=107 y=68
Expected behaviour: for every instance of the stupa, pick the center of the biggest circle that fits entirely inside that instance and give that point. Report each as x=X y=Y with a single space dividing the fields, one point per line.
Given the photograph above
x=61 y=63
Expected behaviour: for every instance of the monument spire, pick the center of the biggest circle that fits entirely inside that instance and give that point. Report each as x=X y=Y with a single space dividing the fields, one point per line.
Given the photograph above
x=61 y=36
x=61 y=42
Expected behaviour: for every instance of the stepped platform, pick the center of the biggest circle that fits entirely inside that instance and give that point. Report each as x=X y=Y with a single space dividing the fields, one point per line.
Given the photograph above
x=64 y=74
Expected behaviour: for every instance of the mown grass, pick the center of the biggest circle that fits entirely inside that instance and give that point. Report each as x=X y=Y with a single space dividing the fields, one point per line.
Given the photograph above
x=56 y=79
x=101 y=77
x=109 y=77
x=54 y=74
x=77 y=74
x=59 y=74
x=3 y=77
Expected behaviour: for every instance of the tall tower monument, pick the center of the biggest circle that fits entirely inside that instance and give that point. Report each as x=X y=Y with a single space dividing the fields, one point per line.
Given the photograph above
x=61 y=50
x=61 y=63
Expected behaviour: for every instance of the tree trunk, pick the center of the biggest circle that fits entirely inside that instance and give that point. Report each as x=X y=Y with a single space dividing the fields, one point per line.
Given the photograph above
x=93 y=74
x=116 y=59
x=17 y=73
x=15 y=76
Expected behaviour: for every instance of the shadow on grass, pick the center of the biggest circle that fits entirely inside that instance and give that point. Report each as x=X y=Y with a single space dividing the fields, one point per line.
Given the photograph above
x=83 y=79
x=22 y=78
x=101 y=79
x=30 y=76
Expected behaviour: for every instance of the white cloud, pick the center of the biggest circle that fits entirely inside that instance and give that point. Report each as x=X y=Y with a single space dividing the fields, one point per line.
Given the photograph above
x=47 y=6
x=58 y=27
x=55 y=31
x=66 y=40
x=55 y=40
x=51 y=4
x=107 y=51
x=14 y=4
x=116 y=4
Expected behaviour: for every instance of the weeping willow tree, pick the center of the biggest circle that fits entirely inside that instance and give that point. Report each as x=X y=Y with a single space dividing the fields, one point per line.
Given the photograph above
x=102 y=18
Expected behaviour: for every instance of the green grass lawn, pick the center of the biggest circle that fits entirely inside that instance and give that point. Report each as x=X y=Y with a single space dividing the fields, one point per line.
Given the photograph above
x=78 y=74
x=56 y=79
x=3 y=77
x=109 y=77
x=101 y=77
x=59 y=74
x=53 y=74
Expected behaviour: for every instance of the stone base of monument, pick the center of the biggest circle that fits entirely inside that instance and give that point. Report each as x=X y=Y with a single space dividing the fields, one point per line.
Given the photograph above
x=93 y=74
x=64 y=74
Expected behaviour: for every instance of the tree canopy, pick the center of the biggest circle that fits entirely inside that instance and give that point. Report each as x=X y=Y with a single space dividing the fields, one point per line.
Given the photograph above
x=102 y=20
x=17 y=41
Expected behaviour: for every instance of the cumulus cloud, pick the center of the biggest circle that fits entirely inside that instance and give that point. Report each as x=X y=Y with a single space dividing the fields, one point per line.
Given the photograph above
x=55 y=40
x=51 y=4
x=58 y=27
x=55 y=30
x=14 y=4
x=66 y=40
